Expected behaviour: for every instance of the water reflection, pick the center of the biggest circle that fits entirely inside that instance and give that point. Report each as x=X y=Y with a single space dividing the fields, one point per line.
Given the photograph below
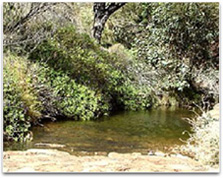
x=157 y=129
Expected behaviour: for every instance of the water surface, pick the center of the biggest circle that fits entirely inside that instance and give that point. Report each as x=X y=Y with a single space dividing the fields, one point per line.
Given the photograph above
x=124 y=132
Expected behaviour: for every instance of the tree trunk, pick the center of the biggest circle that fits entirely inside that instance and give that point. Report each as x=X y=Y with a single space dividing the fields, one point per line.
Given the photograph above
x=102 y=12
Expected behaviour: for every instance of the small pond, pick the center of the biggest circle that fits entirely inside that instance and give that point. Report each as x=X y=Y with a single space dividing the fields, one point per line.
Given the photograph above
x=124 y=132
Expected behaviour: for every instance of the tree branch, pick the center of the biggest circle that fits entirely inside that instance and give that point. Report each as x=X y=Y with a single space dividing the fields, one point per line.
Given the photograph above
x=102 y=12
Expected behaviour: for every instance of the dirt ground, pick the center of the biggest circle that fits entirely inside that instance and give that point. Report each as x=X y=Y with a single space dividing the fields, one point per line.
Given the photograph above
x=49 y=160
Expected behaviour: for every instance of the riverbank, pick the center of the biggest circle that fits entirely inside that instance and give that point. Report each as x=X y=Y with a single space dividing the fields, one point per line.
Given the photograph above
x=49 y=160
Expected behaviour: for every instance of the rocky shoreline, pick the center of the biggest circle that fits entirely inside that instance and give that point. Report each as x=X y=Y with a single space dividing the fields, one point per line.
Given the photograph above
x=51 y=160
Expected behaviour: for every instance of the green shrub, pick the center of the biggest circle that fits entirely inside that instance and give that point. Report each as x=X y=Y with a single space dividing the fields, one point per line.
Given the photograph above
x=178 y=39
x=77 y=101
x=133 y=97
x=21 y=105
x=88 y=64
x=187 y=30
x=179 y=36
x=69 y=76
x=33 y=91
x=67 y=98
x=77 y=55
x=16 y=124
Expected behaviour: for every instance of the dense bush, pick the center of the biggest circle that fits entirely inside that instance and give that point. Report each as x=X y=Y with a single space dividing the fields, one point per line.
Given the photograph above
x=88 y=64
x=68 y=76
x=178 y=39
x=170 y=37
x=33 y=91
x=78 y=56
x=72 y=100
x=187 y=30
x=21 y=105
x=134 y=98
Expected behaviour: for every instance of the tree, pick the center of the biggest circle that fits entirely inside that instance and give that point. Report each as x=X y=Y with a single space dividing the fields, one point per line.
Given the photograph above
x=25 y=25
x=102 y=11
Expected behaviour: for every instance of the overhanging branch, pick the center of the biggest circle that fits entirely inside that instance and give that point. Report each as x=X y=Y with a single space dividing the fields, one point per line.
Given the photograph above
x=102 y=11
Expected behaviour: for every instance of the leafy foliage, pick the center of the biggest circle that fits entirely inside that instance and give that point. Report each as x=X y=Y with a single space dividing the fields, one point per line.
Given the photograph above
x=70 y=76
x=75 y=100
x=78 y=56
x=177 y=39
x=188 y=30
x=21 y=105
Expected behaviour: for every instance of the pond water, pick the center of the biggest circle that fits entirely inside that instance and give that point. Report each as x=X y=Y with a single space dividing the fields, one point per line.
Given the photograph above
x=141 y=131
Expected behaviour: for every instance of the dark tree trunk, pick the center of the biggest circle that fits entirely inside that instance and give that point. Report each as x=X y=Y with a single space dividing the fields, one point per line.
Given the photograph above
x=102 y=12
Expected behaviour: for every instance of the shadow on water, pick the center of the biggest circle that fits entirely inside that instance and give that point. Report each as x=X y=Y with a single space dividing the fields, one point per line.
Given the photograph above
x=140 y=131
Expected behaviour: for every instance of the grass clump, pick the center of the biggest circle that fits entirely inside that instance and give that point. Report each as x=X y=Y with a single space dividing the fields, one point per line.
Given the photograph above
x=203 y=144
